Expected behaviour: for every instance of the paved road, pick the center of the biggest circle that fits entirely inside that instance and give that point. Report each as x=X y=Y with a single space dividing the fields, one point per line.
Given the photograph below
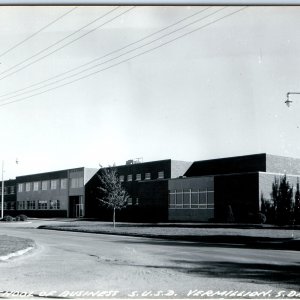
x=67 y=261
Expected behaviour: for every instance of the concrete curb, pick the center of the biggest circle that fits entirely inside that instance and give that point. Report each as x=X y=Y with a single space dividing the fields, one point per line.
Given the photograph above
x=15 y=254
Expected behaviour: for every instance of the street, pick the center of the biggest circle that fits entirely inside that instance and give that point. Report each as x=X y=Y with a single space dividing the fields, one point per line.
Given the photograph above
x=116 y=266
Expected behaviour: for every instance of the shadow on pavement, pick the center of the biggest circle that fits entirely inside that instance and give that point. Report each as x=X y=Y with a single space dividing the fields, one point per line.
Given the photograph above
x=264 y=273
x=222 y=241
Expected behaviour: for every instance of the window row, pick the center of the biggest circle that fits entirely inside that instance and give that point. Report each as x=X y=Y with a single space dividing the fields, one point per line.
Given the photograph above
x=50 y=184
x=130 y=201
x=187 y=198
x=39 y=204
x=8 y=190
x=147 y=176
x=9 y=205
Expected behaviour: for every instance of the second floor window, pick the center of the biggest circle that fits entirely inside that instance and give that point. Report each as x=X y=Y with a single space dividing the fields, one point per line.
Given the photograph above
x=63 y=183
x=129 y=178
x=77 y=182
x=161 y=175
x=121 y=178
x=138 y=177
x=147 y=176
x=20 y=187
x=53 y=184
x=44 y=185
x=35 y=186
x=27 y=186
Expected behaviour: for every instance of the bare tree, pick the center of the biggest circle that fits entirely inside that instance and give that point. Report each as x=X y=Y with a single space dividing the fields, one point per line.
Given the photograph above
x=113 y=195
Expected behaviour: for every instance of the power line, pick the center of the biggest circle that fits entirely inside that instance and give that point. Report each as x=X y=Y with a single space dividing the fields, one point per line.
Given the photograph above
x=125 y=60
x=110 y=53
x=40 y=30
x=38 y=53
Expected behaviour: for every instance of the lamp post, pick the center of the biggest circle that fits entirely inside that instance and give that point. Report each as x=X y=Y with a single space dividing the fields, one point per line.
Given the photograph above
x=288 y=101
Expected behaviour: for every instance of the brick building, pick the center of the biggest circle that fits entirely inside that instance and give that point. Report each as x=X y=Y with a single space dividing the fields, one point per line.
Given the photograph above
x=147 y=185
x=53 y=194
x=160 y=191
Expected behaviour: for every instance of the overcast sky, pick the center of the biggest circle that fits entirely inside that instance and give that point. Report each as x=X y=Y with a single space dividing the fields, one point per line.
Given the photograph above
x=216 y=90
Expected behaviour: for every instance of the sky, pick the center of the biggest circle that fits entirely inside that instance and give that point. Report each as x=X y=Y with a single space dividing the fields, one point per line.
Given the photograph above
x=152 y=82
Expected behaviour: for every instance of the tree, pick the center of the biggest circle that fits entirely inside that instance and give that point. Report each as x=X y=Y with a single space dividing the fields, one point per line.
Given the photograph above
x=267 y=208
x=113 y=195
x=229 y=214
x=297 y=204
x=282 y=196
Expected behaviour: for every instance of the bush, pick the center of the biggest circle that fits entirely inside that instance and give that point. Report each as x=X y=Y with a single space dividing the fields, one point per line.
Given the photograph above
x=7 y=219
x=21 y=218
x=261 y=218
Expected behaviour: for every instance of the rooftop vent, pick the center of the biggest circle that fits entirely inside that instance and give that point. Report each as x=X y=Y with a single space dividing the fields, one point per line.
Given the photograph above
x=134 y=161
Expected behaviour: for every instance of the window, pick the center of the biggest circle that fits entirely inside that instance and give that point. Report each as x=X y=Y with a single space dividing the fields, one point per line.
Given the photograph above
x=53 y=184
x=121 y=177
x=12 y=190
x=54 y=204
x=202 y=199
x=147 y=176
x=36 y=186
x=172 y=199
x=20 y=187
x=129 y=201
x=30 y=204
x=210 y=199
x=194 y=200
x=138 y=177
x=63 y=183
x=129 y=177
x=42 y=204
x=188 y=199
x=27 y=186
x=21 y=205
x=136 y=201
x=44 y=185
x=77 y=182
x=161 y=175
x=9 y=205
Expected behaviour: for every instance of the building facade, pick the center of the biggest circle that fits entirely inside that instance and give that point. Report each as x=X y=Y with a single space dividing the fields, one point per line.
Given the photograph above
x=53 y=194
x=10 y=196
x=147 y=186
x=159 y=191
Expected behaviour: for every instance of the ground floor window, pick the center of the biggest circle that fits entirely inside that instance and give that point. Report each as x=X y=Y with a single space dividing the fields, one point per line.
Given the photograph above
x=42 y=204
x=21 y=205
x=30 y=204
x=54 y=204
x=188 y=198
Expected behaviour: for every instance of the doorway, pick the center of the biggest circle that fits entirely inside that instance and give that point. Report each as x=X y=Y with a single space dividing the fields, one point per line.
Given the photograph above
x=76 y=208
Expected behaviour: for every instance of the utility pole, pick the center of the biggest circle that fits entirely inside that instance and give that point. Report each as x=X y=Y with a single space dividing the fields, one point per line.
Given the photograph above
x=2 y=192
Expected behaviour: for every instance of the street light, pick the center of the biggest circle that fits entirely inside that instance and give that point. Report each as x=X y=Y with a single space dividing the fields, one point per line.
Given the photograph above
x=288 y=101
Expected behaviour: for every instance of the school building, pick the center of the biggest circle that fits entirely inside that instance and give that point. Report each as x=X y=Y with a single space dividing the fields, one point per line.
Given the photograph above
x=160 y=191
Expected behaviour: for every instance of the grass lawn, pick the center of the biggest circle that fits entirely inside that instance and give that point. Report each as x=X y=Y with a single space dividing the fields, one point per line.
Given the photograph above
x=9 y=244
x=175 y=231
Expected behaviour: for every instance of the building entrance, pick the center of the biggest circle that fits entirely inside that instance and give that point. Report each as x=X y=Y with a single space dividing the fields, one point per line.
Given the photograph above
x=76 y=209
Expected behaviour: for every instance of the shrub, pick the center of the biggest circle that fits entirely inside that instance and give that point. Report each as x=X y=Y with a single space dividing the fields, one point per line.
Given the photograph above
x=8 y=218
x=21 y=218
x=261 y=218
